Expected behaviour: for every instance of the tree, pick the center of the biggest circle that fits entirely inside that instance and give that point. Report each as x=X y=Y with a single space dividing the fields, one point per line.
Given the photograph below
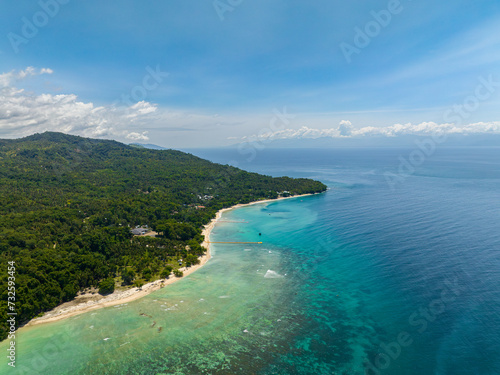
x=165 y=273
x=138 y=284
x=191 y=260
x=69 y=204
x=146 y=274
x=128 y=276
x=107 y=286
x=69 y=292
x=178 y=273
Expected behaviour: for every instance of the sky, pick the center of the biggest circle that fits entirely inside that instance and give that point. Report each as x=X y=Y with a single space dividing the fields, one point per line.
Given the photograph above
x=211 y=73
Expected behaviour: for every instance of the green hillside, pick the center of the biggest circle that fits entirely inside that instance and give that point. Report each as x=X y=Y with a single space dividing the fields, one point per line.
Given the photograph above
x=68 y=204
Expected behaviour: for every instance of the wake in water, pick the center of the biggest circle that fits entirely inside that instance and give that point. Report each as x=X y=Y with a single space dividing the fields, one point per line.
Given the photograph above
x=272 y=275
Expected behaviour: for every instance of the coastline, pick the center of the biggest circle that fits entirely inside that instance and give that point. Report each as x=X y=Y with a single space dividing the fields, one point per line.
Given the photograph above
x=88 y=302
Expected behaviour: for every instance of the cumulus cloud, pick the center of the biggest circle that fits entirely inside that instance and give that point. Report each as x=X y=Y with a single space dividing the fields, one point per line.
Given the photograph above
x=23 y=113
x=141 y=108
x=7 y=79
x=134 y=136
x=345 y=129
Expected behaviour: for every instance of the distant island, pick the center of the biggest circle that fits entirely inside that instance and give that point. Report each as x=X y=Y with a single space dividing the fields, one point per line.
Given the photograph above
x=81 y=213
x=148 y=145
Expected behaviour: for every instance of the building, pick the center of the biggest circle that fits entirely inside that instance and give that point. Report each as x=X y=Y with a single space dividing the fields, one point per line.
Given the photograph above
x=139 y=231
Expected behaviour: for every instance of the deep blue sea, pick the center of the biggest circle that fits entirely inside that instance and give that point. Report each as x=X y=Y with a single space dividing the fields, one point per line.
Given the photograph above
x=394 y=270
x=396 y=273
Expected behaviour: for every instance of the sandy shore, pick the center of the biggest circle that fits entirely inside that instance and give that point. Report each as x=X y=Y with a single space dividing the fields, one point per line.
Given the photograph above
x=88 y=301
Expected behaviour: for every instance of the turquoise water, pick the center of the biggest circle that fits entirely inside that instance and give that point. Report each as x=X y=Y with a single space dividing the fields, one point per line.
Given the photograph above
x=363 y=279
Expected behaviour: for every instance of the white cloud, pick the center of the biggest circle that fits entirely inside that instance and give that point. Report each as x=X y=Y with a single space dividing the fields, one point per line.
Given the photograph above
x=23 y=113
x=345 y=129
x=7 y=79
x=141 y=108
x=134 y=136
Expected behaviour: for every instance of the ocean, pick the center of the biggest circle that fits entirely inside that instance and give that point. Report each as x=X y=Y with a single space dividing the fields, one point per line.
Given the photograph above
x=394 y=270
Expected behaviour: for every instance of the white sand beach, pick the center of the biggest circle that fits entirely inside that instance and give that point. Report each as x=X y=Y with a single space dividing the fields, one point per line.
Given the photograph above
x=90 y=301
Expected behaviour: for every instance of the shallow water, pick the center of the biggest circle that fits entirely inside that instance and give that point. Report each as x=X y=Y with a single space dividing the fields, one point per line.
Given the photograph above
x=362 y=279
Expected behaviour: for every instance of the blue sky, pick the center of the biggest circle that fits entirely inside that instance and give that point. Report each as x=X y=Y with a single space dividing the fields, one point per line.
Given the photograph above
x=225 y=68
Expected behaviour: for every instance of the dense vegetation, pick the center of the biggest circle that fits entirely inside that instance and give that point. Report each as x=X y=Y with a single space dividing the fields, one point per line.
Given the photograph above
x=68 y=204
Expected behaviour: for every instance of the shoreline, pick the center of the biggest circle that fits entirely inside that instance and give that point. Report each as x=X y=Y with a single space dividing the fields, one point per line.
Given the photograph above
x=91 y=302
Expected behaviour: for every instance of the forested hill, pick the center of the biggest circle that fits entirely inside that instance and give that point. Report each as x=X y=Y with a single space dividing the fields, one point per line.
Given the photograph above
x=68 y=204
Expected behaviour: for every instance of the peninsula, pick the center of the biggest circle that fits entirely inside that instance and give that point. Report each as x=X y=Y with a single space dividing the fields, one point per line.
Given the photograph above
x=70 y=204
